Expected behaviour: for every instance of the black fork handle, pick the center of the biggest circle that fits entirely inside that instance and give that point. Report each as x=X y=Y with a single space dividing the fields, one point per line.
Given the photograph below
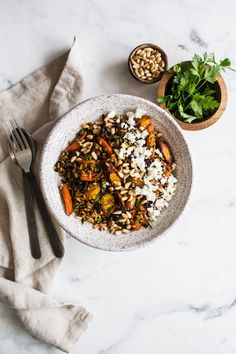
x=30 y=217
x=53 y=237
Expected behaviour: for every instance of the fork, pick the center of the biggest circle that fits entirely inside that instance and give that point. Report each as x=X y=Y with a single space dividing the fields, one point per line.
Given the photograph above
x=28 y=197
x=23 y=154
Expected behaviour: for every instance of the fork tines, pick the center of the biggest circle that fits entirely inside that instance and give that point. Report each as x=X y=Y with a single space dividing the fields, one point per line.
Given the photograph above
x=15 y=135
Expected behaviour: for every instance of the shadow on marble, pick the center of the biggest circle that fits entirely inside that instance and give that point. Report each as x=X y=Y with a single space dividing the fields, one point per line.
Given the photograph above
x=119 y=80
x=54 y=54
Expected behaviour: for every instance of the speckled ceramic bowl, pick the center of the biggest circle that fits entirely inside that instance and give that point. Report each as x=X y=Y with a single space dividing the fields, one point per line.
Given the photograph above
x=65 y=130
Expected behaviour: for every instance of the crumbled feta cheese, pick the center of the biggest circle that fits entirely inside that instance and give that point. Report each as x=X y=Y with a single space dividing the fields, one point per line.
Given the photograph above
x=135 y=148
x=147 y=192
x=141 y=142
x=144 y=134
x=130 y=114
x=163 y=180
x=172 y=180
x=111 y=114
x=160 y=203
x=158 y=152
x=124 y=125
x=153 y=213
x=130 y=136
x=139 y=113
x=148 y=153
x=131 y=121
x=138 y=134
x=140 y=162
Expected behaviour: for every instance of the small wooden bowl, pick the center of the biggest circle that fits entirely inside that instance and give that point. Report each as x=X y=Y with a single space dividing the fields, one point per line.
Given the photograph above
x=142 y=46
x=221 y=95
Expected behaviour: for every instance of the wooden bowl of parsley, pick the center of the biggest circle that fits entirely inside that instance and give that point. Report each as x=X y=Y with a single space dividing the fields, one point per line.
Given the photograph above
x=194 y=92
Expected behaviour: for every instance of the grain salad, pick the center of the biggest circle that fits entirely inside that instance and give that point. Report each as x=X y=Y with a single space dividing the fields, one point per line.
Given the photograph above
x=118 y=173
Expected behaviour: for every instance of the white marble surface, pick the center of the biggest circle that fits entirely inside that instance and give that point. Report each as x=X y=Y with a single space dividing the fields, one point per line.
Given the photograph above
x=178 y=295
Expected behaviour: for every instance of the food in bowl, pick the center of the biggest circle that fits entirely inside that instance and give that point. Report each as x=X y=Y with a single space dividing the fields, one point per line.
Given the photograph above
x=118 y=173
x=147 y=63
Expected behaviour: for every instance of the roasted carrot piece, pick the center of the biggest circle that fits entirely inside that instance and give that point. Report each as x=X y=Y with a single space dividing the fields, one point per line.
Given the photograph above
x=88 y=162
x=151 y=139
x=153 y=153
x=65 y=193
x=75 y=144
x=139 y=217
x=144 y=121
x=165 y=152
x=88 y=177
x=136 y=226
x=105 y=145
x=150 y=128
x=114 y=179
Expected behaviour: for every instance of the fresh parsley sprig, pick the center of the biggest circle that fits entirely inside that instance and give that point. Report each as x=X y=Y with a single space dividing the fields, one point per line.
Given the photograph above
x=192 y=93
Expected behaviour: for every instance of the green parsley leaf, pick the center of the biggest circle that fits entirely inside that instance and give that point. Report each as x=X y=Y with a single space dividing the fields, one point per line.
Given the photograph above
x=196 y=107
x=192 y=94
x=211 y=72
x=225 y=62
x=187 y=117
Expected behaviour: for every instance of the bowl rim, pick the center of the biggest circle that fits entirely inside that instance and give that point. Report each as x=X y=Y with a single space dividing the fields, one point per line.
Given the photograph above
x=207 y=122
x=145 y=45
x=53 y=212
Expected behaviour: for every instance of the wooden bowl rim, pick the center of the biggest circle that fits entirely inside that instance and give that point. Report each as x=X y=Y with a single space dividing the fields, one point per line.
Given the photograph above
x=163 y=54
x=206 y=122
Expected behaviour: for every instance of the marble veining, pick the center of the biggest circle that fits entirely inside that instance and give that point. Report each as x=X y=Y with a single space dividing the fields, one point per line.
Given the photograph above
x=178 y=295
x=195 y=38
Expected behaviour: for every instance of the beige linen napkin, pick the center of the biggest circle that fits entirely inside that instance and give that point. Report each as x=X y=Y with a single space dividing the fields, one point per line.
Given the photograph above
x=36 y=102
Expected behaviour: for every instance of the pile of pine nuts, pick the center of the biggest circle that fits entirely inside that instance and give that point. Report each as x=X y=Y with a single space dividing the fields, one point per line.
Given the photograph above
x=147 y=63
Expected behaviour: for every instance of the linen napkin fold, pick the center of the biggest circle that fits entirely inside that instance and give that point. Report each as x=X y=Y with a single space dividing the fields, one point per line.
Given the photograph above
x=36 y=102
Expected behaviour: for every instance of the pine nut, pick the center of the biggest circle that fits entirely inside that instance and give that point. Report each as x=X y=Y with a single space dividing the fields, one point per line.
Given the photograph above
x=146 y=62
x=127 y=185
x=125 y=231
x=129 y=215
x=123 y=192
x=99 y=122
x=94 y=155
